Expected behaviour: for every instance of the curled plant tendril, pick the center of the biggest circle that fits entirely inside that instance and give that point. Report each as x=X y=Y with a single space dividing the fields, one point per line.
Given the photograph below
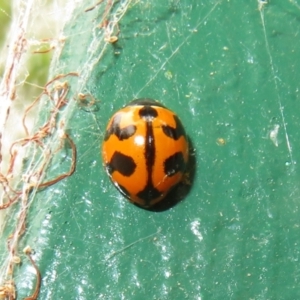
x=57 y=93
x=36 y=292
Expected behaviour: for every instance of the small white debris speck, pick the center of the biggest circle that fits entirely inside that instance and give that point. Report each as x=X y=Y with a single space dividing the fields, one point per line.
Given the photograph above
x=273 y=135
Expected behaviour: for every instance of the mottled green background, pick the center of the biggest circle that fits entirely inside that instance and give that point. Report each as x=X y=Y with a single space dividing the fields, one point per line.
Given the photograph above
x=231 y=72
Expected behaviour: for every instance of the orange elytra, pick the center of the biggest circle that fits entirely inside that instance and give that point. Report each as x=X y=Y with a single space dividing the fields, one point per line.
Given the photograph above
x=145 y=151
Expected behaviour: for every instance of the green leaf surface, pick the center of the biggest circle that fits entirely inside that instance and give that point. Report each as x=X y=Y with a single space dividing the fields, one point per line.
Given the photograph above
x=231 y=72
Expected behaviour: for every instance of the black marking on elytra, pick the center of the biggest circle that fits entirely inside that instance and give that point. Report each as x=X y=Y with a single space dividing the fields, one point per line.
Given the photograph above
x=148 y=113
x=122 y=163
x=145 y=102
x=120 y=133
x=174 y=163
x=174 y=133
x=149 y=193
x=149 y=142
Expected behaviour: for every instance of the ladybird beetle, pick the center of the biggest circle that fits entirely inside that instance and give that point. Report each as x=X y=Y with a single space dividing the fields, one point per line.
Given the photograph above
x=145 y=151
